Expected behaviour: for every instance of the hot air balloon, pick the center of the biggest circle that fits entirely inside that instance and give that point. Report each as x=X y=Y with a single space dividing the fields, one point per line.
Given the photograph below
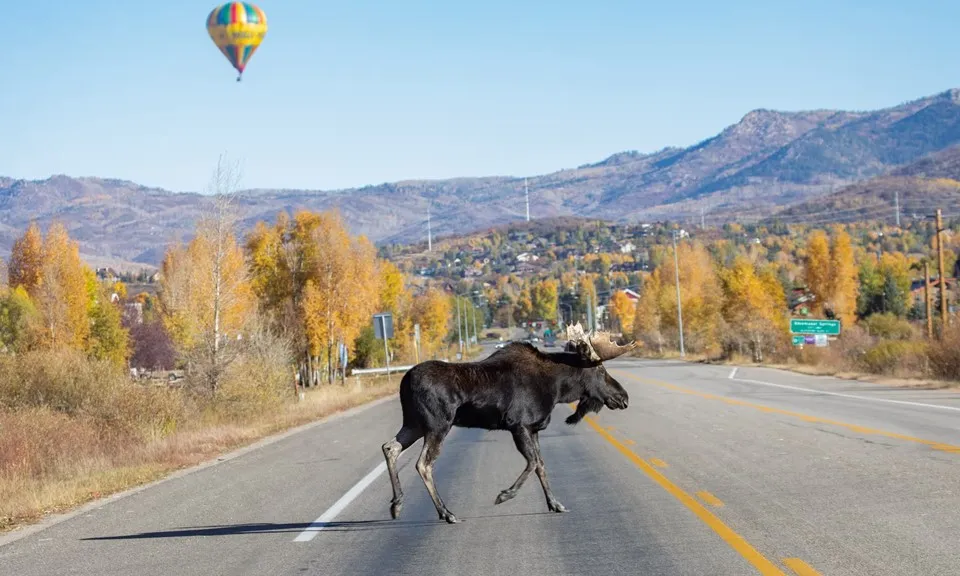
x=237 y=28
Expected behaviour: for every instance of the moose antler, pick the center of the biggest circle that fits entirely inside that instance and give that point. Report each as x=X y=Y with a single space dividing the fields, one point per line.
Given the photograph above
x=606 y=348
x=602 y=346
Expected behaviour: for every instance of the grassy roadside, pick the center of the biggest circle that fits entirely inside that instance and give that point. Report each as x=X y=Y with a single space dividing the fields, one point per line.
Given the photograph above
x=73 y=431
x=900 y=381
x=51 y=462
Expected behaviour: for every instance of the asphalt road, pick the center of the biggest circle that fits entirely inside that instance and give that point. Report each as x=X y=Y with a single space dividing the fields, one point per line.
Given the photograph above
x=763 y=472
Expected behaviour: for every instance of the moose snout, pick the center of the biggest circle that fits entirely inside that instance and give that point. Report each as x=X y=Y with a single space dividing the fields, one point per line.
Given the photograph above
x=618 y=402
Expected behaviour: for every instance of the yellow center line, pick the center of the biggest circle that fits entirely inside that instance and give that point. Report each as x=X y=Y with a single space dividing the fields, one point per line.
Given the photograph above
x=734 y=540
x=710 y=498
x=658 y=463
x=805 y=417
x=800 y=567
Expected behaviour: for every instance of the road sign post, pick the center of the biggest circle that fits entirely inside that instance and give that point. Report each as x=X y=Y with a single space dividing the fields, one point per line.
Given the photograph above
x=383 y=329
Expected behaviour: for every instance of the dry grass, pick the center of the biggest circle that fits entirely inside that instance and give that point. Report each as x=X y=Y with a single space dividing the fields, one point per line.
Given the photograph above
x=892 y=356
x=73 y=431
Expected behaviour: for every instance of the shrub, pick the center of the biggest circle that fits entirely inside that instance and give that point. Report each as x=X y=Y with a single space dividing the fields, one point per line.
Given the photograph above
x=944 y=354
x=895 y=357
x=260 y=379
x=889 y=327
x=68 y=382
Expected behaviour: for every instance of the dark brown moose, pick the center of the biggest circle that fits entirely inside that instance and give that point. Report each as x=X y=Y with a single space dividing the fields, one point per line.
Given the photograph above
x=516 y=389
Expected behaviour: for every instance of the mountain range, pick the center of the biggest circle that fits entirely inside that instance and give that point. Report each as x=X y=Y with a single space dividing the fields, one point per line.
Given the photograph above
x=770 y=162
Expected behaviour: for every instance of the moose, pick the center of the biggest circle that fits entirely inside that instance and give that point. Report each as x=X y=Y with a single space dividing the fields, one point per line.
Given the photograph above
x=515 y=389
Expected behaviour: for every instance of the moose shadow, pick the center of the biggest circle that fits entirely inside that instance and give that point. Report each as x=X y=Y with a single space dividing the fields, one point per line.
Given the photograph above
x=295 y=527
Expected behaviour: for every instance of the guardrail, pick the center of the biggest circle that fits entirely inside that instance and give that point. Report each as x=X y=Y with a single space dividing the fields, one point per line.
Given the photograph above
x=381 y=370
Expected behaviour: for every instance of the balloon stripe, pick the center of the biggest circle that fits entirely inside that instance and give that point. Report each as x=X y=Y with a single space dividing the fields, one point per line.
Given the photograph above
x=224 y=18
x=250 y=14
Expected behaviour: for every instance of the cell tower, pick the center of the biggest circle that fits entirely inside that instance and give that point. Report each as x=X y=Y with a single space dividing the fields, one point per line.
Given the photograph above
x=526 y=192
x=429 y=231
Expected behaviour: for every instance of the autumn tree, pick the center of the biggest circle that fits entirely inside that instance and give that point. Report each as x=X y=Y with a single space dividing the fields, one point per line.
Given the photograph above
x=754 y=306
x=700 y=297
x=205 y=293
x=817 y=270
x=623 y=311
x=64 y=292
x=843 y=284
x=20 y=321
x=432 y=311
x=26 y=260
x=341 y=293
x=831 y=275
x=109 y=340
x=648 y=318
x=543 y=300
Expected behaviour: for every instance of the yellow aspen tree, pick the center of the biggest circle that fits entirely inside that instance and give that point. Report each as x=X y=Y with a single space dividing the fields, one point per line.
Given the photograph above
x=817 y=270
x=648 y=321
x=843 y=276
x=26 y=261
x=63 y=294
x=754 y=307
x=432 y=311
x=623 y=311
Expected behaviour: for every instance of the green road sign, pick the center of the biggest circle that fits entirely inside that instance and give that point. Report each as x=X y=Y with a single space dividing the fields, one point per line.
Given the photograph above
x=804 y=326
x=798 y=340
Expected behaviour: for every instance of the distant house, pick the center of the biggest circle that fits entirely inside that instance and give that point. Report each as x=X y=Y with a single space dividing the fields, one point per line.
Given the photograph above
x=527 y=257
x=800 y=301
x=107 y=274
x=917 y=287
x=627 y=247
x=633 y=296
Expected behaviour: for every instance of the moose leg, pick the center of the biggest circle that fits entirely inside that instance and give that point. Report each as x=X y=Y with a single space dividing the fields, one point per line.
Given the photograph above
x=391 y=451
x=552 y=503
x=524 y=441
x=431 y=449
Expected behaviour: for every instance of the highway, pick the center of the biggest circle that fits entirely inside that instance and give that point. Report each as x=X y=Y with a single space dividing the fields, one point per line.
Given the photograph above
x=710 y=471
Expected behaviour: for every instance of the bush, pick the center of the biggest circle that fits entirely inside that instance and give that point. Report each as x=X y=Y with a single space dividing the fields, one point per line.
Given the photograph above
x=259 y=380
x=944 y=354
x=68 y=382
x=889 y=327
x=895 y=357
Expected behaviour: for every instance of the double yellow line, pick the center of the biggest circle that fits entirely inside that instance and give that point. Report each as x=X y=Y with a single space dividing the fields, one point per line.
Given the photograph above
x=734 y=540
x=805 y=417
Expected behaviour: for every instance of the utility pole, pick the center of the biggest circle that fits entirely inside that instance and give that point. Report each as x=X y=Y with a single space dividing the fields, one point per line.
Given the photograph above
x=896 y=201
x=701 y=218
x=526 y=192
x=943 y=276
x=589 y=311
x=459 y=329
x=476 y=335
x=429 y=231
x=927 y=298
x=676 y=269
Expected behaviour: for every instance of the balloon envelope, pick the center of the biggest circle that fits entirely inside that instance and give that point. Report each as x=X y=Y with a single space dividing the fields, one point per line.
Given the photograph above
x=237 y=28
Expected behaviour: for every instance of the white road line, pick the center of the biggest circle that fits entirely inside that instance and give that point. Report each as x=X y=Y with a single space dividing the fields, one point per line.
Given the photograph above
x=815 y=391
x=311 y=531
x=733 y=373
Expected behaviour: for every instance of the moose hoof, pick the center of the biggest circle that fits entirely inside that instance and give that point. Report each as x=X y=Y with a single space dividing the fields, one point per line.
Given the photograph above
x=395 y=509
x=557 y=507
x=449 y=517
x=504 y=496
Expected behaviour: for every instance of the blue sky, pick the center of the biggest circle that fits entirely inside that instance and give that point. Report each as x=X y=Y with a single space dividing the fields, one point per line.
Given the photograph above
x=359 y=92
